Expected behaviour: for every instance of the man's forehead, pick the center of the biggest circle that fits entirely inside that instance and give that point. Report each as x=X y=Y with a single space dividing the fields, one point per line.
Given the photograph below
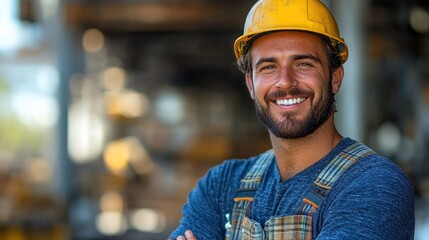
x=288 y=36
x=292 y=42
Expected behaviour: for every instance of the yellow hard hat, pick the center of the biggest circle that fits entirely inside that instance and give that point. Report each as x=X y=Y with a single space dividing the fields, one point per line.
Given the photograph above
x=301 y=15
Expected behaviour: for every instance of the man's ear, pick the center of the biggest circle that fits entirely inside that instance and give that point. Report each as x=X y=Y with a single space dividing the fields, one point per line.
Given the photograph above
x=337 y=79
x=249 y=84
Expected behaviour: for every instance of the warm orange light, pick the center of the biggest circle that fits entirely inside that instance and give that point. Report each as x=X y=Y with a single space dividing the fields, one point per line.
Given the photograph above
x=112 y=201
x=116 y=156
x=125 y=152
x=126 y=103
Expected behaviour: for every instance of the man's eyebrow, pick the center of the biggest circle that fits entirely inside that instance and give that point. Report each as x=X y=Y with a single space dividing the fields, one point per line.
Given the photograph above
x=264 y=60
x=294 y=57
x=306 y=56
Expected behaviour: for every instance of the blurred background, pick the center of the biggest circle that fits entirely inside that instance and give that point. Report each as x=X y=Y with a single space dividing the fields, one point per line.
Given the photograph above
x=111 y=110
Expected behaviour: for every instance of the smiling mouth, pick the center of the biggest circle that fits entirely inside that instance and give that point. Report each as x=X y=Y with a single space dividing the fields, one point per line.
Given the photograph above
x=289 y=102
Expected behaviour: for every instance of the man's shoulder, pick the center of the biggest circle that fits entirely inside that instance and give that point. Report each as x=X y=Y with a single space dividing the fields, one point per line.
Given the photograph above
x=372 y=161
x=375 y=169
x=371 y=174
x=372 y=186
x=379 y=165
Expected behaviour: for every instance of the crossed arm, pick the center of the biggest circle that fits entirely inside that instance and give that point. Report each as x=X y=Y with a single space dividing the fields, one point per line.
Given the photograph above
x=189 y=235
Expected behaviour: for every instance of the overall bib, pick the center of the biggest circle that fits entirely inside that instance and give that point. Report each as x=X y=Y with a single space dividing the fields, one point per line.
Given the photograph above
x=298 y=226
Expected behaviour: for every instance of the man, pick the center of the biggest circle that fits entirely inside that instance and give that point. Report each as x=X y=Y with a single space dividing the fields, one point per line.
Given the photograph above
x=313 y=184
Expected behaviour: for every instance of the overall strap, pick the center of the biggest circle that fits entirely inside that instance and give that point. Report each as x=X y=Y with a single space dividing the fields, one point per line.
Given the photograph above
x=330 y=174
x=244 y=196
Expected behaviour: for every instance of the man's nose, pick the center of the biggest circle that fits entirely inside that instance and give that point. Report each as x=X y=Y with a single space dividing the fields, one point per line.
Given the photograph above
x=286 y=79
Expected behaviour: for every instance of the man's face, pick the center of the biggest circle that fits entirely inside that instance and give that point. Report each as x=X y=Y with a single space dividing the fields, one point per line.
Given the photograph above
x=291 y=83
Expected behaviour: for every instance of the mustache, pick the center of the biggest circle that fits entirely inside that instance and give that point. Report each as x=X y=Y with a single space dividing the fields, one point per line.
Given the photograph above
x=292 y=92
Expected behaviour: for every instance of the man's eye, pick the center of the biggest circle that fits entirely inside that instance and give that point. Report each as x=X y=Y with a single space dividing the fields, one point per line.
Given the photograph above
x=267 y=67
x=305 y=64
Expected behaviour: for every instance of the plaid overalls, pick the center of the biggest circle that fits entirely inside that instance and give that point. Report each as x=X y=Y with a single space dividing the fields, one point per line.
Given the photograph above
x=297 y=226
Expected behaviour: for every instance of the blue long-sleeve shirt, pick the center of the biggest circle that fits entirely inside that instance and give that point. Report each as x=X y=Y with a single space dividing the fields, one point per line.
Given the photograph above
x=372 y=200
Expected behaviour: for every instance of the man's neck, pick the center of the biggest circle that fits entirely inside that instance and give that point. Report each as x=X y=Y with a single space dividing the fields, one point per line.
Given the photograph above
x=296 y=155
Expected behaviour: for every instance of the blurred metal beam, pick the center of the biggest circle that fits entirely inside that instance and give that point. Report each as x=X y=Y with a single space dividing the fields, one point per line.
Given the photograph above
x=67 y=61
x=149 y=16
x=27 y=10
x=350 y=16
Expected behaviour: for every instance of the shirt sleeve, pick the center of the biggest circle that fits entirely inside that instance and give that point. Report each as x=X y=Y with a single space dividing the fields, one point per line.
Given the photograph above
x=207 y=204
x=373 y=201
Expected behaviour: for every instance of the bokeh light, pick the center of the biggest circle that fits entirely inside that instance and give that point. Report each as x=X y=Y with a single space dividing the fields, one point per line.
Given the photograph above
x=148 y=220
x=93 y=40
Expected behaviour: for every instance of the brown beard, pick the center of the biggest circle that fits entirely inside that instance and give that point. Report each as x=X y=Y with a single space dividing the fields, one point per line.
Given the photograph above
x=290 y=127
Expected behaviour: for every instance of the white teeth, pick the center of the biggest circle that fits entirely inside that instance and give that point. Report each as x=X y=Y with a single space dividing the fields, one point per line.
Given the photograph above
x=288 y=102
